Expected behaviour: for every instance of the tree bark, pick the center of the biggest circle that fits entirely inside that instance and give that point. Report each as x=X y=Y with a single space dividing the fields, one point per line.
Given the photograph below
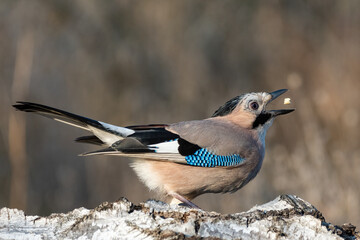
x=286 y=217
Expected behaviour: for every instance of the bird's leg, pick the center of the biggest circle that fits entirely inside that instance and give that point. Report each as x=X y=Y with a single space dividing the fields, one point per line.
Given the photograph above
x=175 y=201
x=177 y=198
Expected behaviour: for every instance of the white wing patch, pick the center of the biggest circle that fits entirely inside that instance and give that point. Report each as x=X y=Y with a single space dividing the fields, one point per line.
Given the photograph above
x=166 y=147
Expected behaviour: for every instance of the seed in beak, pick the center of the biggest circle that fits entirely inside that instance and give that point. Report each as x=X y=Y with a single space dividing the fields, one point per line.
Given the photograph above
x=287 y=101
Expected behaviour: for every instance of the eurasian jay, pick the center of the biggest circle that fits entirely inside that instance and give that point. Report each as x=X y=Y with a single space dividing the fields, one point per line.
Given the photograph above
x=184 y=160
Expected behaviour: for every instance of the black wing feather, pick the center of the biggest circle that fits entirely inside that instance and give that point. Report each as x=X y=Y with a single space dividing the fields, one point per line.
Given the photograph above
x=187 y=148
x=156 y=133
x=152 y=133
x=154 y=136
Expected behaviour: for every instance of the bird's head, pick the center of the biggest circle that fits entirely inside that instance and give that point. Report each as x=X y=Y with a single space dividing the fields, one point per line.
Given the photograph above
x=249 y=110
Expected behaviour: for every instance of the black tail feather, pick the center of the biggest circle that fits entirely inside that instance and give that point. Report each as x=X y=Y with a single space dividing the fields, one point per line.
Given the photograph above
x=54 y=113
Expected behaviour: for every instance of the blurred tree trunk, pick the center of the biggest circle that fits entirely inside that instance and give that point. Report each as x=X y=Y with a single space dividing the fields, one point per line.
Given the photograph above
x=17 y=129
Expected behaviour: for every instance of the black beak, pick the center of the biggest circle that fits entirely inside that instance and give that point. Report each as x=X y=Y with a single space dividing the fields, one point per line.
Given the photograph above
x=275 y=113
x=274 y=95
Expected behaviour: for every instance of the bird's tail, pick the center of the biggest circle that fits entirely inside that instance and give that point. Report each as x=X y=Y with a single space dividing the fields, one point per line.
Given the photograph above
x=104 y=133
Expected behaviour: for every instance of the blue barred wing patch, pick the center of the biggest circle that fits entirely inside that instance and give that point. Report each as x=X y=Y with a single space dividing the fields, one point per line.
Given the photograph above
x=204 y=158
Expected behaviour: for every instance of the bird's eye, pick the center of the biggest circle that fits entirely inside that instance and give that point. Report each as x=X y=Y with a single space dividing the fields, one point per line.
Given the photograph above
x=254 y=105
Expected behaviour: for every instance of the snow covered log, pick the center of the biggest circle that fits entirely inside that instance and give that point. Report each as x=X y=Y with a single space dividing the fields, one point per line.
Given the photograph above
x=286 y=217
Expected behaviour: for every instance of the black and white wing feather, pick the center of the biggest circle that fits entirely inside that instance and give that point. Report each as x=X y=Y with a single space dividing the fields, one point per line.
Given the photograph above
x=151 y=142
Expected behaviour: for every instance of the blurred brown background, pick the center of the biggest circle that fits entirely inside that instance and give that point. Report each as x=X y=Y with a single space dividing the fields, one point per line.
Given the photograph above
x=137 y=62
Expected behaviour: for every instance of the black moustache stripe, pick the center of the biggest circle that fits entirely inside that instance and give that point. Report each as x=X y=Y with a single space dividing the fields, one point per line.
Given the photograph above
x=261 y=119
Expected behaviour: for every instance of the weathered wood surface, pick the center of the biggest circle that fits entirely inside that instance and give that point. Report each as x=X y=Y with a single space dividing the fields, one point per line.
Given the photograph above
x=286 y=217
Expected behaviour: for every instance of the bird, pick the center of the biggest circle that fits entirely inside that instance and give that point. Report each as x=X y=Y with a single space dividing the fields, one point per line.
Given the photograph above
x=183 y=160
